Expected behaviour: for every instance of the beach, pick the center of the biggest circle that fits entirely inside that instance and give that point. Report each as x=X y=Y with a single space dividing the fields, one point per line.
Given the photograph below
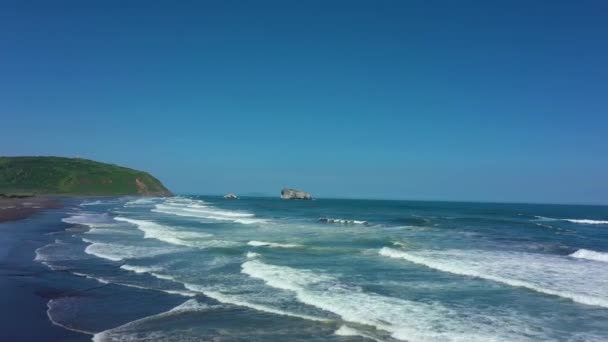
x=17 y=208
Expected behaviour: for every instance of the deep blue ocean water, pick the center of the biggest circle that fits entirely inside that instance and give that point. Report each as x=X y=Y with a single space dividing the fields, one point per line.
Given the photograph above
x=262 y=269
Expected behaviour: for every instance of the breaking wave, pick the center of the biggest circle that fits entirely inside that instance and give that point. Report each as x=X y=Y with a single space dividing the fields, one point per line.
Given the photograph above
x=579 y=221
x=174 y=236
x=585 y=221
x=130 y=332
x=199 y=209
x=549 y=274
x=116 y=252
x=272 y=244
x=403 y=319
x=590 y=255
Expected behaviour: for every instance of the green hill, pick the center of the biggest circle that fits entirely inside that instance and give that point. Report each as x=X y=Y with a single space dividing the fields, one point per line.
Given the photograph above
x=74 y=176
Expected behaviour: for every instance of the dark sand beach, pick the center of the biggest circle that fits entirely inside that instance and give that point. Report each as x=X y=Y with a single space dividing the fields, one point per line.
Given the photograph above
x=28 y=286
x=25 y=285
x=12 y=209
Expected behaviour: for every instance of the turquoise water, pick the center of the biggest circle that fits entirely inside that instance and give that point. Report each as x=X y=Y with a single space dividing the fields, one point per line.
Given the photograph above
x=262 y=269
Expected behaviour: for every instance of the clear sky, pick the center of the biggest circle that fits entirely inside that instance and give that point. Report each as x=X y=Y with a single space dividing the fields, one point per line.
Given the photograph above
x=446 y=100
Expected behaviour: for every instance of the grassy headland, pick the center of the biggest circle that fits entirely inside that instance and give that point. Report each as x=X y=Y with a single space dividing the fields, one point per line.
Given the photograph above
x=22 y=176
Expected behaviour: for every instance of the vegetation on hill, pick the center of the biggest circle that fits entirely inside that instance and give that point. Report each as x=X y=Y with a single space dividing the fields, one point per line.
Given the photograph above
x=74 y=176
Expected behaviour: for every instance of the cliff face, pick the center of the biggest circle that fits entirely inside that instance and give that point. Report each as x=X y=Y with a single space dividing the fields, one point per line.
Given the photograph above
x=74 y=176
x=295 y=194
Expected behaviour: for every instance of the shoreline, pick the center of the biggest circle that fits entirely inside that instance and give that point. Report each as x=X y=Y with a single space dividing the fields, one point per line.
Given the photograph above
x=19 y=208
x=26 y=286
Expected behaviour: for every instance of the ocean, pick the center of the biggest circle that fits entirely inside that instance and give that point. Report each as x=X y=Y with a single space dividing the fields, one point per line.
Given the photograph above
x=200 y=268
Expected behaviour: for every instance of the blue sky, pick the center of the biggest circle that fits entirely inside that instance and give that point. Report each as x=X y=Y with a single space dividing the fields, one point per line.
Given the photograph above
x=446 y=100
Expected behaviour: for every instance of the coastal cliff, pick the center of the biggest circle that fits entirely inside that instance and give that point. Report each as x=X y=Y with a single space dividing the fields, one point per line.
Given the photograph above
x=74 y=176
x=287 y=193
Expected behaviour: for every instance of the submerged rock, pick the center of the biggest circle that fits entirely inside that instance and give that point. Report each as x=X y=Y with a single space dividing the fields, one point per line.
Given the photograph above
x=295 y=194
x=231 y=196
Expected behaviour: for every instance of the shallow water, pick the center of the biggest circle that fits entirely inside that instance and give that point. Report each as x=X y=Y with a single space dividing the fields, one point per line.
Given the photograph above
x=336 y=270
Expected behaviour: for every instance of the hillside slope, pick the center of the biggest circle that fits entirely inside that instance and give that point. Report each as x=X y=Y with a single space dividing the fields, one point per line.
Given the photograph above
x=74 y=176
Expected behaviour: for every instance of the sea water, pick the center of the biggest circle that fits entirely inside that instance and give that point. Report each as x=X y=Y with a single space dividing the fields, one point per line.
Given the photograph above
x=264 y=269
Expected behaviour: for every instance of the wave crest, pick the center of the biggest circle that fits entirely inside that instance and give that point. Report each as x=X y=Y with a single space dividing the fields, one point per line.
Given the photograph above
x=549 y=274
x=590 y=255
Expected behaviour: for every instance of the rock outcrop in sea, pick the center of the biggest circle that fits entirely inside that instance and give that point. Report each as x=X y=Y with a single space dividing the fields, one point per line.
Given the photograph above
x=231 y=196
x=287 y=193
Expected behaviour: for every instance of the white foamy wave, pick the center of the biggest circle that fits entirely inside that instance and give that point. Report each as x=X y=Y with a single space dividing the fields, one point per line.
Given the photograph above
x=590 y=255
x=116 y=252
x=341 y=221
x=183 y=293
x=242 y=301
x=272 y=244
x=141 y=269
x=140 y=202
x=549 y=274
x=252 y=255
x=90 y=220
x=571 y=220
x=58 y=251
x=585 y=221
x=175 y=236
x=403 y=319
x=54 y=309
x=130 y=331
x=345 y=330
x=198 y=209
x=84 y=204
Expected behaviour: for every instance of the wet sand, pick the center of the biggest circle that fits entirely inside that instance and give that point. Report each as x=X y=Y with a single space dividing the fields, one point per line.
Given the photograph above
x=13 y=209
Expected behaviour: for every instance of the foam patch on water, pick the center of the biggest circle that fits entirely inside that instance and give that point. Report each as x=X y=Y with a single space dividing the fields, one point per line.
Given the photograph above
x=60 y=317
x=561 y=276
x=272 y=244
x=403 y=319
x=199 y=209
x=571 y=220
x=90 y=220
x=585 y=221
x=141 y=202
x=341 y=221
x=141 y=269
x=130 y=332
x=116 y=252
x=252 y=255
x=242 y=300
x=590 y=255
x=175 y=236
x=53 y=254
x=345 y=330
x=85 y=204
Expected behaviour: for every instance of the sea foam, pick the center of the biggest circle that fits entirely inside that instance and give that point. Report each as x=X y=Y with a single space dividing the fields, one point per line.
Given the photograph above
x=586 y=221
x=403 y=319
x=175 y=236
x=130 y=332
x=198 y=209
x=549 y=274
x=272 y=244
x=590 y=255
x=116 y=252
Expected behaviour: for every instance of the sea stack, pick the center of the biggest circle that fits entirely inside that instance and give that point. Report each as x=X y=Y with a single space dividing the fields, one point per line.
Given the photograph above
x=231 y=196
x=295 y=194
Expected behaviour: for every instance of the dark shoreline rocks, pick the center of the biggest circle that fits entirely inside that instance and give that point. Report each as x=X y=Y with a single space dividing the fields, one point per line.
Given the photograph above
x=293 y=194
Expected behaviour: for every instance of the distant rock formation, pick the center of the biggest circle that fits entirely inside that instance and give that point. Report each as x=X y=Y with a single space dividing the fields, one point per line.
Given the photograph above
x=295 y=194
x=231 y=196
